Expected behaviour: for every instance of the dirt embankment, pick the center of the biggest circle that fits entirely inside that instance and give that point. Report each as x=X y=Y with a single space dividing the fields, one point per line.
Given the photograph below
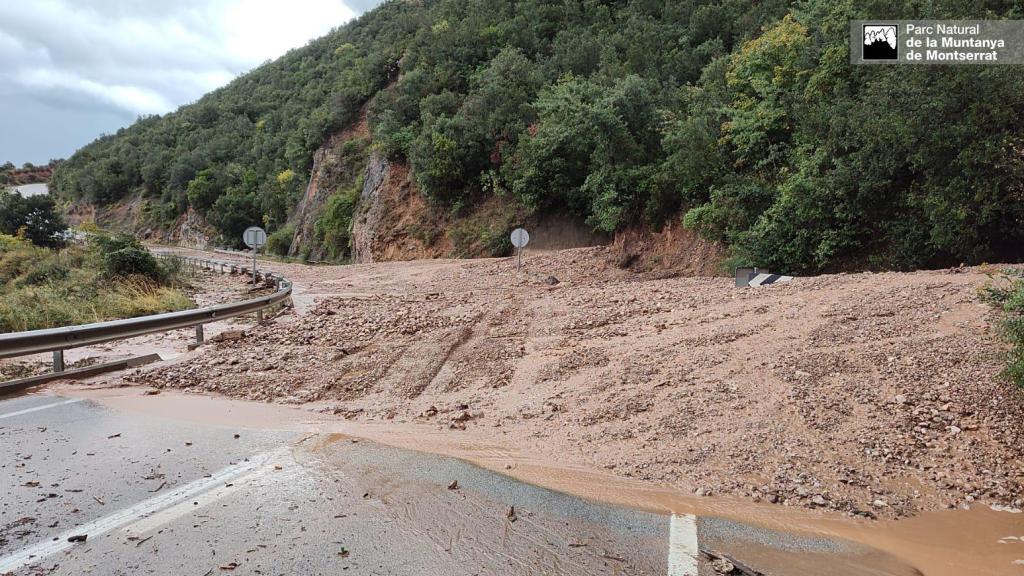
x=876 y=394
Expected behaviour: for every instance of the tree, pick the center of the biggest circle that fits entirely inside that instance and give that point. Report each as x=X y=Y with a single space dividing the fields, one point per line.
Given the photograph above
x=35 y=218
x=204 y=190
x=589 y=150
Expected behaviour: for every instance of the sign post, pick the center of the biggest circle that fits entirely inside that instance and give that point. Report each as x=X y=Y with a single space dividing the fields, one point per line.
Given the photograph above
x=520 y=238
x=254 y=237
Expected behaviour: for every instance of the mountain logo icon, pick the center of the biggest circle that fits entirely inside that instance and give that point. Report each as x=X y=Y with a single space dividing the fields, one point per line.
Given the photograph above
x=880 y=42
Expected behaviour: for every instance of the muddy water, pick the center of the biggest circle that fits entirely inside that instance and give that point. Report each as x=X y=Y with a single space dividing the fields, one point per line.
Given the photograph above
x=979 y=541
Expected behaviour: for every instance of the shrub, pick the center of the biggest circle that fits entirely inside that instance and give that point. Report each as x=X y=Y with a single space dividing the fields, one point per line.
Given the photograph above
x=122 y=256
x=1007 y=294
x=49 y=270
x=281 y=240
x=133 y=262
x=114 y=277
x=484 y=234
x=333 y=229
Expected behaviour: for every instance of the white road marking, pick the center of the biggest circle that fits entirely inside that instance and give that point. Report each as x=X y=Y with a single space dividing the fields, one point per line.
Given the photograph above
x=38 y=408
x=141 y=511
x=186 y=507
x=682 y=545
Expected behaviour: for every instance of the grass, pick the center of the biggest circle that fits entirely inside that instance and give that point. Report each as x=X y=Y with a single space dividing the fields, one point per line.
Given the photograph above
x=48 y=288
x=1005 y=291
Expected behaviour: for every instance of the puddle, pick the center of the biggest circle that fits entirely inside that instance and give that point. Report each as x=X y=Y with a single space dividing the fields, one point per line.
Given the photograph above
x=980 y=541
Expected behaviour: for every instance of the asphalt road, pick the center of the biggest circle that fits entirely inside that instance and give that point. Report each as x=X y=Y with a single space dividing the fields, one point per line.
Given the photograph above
x=161 y=496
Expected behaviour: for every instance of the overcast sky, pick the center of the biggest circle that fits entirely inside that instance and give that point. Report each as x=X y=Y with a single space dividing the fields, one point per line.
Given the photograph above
x=73 y=69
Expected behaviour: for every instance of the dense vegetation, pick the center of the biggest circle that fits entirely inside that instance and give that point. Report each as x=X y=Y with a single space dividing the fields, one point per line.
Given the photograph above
x=744 y=118
x=1006 y=293
x=112 y=277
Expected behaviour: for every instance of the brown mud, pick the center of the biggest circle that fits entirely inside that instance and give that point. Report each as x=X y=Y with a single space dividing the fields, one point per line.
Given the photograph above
x=981 y=540
x=872 y=394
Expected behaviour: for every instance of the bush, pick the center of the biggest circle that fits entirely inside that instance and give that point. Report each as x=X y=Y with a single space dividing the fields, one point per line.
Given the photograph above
x=133 y=262
x=123 y=256
x=281 y=240
x=485 y=233
x=1007 y=294
x=333 y=229
x=50 y=270
x=114 y=277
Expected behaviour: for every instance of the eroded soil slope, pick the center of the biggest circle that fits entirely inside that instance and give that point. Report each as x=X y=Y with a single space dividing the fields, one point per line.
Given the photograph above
x=876 y=394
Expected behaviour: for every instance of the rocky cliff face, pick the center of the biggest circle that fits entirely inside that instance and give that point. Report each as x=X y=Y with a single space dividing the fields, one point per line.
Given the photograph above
x=192 y=231
x=332 y=168
x=370 y=211
x=392 y=221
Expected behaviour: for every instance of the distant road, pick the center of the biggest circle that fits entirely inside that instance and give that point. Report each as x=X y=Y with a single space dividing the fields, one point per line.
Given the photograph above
x=33 y=189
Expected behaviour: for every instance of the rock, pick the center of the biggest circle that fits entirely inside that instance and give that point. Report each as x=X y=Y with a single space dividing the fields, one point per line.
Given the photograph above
x=454 y=485
x=954 y=430
x=819 y=501
x=900 y=399
x=722 y=566
x=879 y=503
x=228 y=336
x=551 y=281
x=78 y=538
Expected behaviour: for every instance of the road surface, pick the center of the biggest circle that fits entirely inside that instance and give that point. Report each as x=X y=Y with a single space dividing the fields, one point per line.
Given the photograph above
x=165 y=496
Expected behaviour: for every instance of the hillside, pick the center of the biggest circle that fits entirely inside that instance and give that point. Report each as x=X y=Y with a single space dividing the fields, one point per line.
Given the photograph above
x=28 y=174
x=429 y=128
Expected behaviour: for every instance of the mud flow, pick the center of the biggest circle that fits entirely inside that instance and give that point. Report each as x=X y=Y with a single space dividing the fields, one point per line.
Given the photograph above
x=981 y=540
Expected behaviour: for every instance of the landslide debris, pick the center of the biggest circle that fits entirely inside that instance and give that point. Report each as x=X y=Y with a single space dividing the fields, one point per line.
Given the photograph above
x=873 y=394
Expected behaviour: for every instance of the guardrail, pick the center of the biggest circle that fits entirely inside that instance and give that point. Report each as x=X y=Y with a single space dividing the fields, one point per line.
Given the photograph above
x=57 y=340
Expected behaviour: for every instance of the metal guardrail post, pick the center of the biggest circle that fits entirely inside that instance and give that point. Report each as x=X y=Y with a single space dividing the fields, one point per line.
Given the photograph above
x=259 y=315
x=58 y=360
x=199 y=333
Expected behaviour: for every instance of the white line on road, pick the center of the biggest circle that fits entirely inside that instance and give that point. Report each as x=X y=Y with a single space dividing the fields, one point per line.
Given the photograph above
x=682 y=545
x=37 y=408
x=186 y=507
x=140 y=511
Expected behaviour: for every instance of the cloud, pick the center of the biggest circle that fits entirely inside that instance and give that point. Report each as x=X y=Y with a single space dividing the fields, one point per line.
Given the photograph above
x=117 y=59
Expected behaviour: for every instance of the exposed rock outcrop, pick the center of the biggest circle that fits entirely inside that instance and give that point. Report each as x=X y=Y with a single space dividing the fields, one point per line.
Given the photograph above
x=192 y=231
x=330 y=171
x=393 y=221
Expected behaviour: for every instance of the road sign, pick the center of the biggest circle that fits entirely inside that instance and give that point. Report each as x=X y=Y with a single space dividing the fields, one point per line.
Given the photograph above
x=520 y=238
x=254 y=237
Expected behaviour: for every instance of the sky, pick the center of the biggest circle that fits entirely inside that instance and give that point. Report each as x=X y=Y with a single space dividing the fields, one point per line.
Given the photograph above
x=71 y=70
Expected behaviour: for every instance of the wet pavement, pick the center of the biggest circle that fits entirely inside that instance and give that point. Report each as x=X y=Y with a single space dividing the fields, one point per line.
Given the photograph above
x=157 y=495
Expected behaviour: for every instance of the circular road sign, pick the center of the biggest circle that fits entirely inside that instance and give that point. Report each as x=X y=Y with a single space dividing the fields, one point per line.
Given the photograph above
x=520 y=237
x=254 y=237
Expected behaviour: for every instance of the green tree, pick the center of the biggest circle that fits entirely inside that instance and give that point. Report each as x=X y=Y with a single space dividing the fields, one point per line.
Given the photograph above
x=36 y=218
